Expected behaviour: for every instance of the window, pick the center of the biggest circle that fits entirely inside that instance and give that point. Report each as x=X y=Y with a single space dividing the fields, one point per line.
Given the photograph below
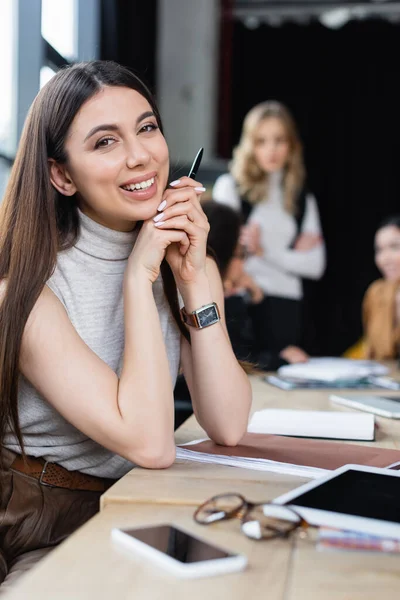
x=46 y=73
x=59 y=26
x=7 y=54
x=4 y=172
x=45 y=35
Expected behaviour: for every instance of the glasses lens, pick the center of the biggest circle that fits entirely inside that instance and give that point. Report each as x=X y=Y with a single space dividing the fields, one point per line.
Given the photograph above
x=268 y=521
x=218 y=508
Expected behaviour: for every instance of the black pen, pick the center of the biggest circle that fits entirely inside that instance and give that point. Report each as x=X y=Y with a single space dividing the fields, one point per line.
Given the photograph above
x=196 y=163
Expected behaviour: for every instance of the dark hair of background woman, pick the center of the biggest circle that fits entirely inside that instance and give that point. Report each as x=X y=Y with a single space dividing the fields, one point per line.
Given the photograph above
x=224 y=232
x=37 y=221
x=393 y=220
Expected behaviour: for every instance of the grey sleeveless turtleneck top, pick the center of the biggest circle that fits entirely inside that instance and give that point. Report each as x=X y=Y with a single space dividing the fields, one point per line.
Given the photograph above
x=88 y=280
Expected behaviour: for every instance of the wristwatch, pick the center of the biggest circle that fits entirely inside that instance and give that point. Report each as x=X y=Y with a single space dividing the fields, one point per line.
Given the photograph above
x=202 y=317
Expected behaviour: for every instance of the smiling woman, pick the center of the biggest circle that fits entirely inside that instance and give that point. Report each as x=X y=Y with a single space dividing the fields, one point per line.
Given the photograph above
x=96 y=248
x=102 y=156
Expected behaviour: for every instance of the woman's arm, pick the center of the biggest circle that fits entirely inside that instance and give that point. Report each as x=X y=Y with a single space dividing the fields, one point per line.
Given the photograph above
x=309 y=263
x=219 y=388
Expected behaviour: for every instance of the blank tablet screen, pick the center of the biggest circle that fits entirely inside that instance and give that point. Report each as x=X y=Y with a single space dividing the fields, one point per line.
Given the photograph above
x=371 y=495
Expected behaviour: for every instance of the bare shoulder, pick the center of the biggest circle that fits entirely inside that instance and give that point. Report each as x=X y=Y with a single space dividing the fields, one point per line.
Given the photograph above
x=47 y=319
x=47 y=305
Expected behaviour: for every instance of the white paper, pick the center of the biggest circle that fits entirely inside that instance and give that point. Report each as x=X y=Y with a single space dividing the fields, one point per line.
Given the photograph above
x=257 y=464
x=313 y=423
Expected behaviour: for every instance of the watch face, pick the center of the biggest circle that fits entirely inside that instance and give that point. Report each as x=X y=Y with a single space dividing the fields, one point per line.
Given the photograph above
x=207 y=316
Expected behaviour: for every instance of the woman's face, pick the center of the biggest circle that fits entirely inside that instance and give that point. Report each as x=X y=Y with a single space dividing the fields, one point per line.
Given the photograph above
x=117 y=158
x=387 y=252
x=271 y=145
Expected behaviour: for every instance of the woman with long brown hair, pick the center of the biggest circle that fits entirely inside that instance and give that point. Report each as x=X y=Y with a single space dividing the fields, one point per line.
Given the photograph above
x=94 y=248
x=282 y=236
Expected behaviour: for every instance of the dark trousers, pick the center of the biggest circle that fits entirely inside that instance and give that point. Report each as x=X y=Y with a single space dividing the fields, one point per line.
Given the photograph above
x=35 y=517
x=277 y=323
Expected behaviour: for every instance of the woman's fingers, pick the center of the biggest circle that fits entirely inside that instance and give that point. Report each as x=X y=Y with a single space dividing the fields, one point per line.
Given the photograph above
x=186 y=181
x=186 y=194
x=182 y=222
x=183 y=193
x=187 y=208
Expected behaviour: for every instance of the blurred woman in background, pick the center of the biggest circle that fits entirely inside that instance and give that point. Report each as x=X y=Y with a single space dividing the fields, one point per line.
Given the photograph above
x=282 y=236
x=381 y=306
x=241 y=291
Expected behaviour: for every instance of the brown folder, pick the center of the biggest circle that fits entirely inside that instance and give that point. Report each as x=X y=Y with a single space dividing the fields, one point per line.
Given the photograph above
x=299 y=451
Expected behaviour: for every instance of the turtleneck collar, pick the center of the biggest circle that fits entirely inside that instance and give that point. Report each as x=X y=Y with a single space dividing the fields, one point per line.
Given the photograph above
x=275 y=179
x=104 y=243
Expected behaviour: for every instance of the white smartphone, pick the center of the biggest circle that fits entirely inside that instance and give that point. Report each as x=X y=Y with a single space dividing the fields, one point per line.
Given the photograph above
x=384 y=406
x=178 y=551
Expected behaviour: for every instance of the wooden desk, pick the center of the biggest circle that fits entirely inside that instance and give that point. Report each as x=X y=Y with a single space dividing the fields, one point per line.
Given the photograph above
x=191 y=483
x=88 y=566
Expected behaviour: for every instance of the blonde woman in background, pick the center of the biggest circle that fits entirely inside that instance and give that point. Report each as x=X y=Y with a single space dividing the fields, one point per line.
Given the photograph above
x=282 y=236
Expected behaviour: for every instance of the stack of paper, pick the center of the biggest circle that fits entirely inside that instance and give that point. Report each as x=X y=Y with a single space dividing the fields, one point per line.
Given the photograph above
x=333 y=369
x=291 y=456
x=256 y=464
x=366 y=383
x=314 y=423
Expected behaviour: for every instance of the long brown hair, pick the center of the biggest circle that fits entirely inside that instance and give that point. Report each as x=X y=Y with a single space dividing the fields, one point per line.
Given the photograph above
x=36 y=221
x=251 y=179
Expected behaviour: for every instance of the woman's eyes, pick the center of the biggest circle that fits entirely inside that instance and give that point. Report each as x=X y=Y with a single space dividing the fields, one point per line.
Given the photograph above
x=395 y=247
x=271 y=141
x=104 y=142
x=149 y=127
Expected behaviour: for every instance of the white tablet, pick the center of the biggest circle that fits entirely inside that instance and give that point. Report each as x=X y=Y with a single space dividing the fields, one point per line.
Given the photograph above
x=353 y=497
x=384 y=406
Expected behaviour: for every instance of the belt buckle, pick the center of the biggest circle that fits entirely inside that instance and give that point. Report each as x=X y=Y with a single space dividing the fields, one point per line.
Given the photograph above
x=44 y=473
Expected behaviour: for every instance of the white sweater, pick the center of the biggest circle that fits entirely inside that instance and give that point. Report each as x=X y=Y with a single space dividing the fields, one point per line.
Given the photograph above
x=279 y=271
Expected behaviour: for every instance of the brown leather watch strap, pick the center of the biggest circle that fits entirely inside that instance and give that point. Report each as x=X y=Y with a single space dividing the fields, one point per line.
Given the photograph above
x=189 y=318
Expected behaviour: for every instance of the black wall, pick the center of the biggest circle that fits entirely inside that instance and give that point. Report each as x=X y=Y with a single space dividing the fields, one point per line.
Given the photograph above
x=342 y=86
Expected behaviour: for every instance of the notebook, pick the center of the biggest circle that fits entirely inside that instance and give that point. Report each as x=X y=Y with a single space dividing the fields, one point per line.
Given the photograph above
x=384 y=406
x=333 y=369
x=314 y=423
x=290 y=456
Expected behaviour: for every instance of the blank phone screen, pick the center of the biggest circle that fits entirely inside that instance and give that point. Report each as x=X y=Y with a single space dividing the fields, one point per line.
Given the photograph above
x=177 y=544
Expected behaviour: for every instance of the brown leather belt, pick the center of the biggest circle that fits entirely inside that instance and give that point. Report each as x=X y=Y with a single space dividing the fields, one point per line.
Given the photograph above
x=54 y=475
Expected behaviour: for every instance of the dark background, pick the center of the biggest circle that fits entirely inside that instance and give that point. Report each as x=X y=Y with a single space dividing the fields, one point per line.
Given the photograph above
x=342 y=88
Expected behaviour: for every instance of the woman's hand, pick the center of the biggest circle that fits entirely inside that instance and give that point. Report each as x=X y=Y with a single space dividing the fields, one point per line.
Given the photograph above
x=150 y=248
x=237 y=279
x=293 y=354
x=307 y=241
x=182 y=214
x=250 y=238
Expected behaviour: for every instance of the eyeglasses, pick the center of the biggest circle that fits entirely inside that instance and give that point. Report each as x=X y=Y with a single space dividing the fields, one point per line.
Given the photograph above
x=259 y=521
